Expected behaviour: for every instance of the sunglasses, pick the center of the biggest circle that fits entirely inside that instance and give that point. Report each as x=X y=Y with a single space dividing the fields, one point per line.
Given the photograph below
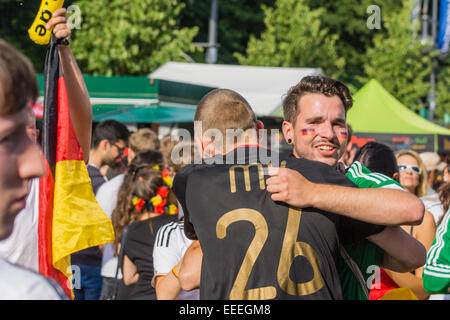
x=404 y=167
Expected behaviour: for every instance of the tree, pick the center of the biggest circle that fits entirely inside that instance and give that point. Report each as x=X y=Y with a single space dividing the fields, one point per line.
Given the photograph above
x=442 y=88
x=294 y=37
x=348 y=19
x=121 y=37
x=237 y=20
x=398 y=62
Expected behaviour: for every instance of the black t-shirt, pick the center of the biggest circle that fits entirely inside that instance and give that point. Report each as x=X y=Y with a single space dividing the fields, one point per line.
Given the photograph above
x=139 y=249
x=254 y=248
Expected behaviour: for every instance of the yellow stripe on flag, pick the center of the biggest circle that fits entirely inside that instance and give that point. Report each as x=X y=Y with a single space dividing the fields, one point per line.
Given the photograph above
x=400 y=294
x=78 y=220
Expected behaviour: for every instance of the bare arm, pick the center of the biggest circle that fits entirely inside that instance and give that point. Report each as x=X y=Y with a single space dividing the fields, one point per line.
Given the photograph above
x=424 y=233
x=190 y=267
x=129 y=271
x=77 y=93
x=368 y=205
x=167 y=286
x=402 y=253
x=408 y=280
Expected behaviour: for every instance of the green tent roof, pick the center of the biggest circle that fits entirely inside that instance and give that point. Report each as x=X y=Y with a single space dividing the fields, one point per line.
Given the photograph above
x=136 y=114
x=375 y=110
x=135 y=99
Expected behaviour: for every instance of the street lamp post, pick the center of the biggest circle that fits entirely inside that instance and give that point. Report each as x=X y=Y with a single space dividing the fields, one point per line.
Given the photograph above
x=211 y=53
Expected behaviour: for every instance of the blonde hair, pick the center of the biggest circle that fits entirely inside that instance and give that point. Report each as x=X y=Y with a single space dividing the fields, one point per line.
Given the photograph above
x=143 y=139
x=421 y=188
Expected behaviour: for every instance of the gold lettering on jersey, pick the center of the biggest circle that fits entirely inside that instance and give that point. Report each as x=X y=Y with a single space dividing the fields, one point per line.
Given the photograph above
x=291 y=249
x=238 y=291
x=282 y=164
x=248 y=187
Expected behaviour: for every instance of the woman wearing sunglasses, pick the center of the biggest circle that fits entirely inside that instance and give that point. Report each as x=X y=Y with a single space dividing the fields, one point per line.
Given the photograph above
x=413 y=177
x=412 y=173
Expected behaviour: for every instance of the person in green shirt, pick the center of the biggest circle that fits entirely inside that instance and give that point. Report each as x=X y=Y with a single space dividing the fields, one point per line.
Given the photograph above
x=367 y=255
x=315 y=126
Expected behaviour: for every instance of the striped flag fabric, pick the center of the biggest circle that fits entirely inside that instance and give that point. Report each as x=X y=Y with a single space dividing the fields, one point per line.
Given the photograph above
x=70 y=218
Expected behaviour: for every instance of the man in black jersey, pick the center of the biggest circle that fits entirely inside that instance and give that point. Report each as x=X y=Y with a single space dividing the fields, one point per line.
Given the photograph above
x=253 y=247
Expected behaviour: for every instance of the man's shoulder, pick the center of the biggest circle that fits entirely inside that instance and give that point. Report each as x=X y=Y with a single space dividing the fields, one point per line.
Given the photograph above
x=318 y=172
x=20 y=283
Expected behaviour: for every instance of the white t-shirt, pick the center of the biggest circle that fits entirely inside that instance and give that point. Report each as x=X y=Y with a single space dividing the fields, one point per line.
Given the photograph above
x=434 y=206
x=107 y=199
x=21 y=247
x=170 y=246
x=18 y=283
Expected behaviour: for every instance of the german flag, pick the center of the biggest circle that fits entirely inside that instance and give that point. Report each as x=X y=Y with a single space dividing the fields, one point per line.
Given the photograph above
x=70 y=218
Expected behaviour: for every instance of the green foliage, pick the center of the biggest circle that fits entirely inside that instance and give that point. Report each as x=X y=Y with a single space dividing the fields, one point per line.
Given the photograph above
x=443 y=88
x=237 y=20
x=16 y=17
x=398 y=62
x=348 y=18
x=294 y=37
x=121 y=37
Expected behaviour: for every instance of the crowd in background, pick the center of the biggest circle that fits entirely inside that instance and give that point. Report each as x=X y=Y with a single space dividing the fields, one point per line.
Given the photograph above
x=132 y=176
x=134 y=165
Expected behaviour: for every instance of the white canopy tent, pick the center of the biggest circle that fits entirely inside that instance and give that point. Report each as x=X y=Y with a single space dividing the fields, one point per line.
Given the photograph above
x=263 y=87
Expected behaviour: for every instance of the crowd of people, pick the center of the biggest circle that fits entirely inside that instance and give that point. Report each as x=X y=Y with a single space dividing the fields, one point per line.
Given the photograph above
x=324 y=221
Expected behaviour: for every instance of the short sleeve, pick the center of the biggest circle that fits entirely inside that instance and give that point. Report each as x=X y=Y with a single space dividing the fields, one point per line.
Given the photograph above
x=167 y=252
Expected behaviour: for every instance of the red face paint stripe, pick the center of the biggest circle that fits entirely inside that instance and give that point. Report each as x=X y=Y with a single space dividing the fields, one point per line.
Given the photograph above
x=308 y=132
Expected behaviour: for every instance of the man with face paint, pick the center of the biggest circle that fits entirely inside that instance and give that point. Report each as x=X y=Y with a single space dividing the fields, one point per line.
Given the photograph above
x=315 y=124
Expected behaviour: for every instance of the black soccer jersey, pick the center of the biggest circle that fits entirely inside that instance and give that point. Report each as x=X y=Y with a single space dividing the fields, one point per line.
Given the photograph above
x=254 y=248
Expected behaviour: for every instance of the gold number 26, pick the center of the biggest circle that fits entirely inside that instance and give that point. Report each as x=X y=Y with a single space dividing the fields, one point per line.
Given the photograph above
x=290 y=249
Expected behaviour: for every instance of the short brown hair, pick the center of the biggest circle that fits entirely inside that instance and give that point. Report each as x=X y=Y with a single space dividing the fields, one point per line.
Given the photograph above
x=314 y=84
x=18 y=83
x=143 y=139
x=224 y=109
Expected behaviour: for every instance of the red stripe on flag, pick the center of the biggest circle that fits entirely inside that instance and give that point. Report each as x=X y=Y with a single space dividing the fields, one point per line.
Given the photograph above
x=68 y=147
x=46 y=192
